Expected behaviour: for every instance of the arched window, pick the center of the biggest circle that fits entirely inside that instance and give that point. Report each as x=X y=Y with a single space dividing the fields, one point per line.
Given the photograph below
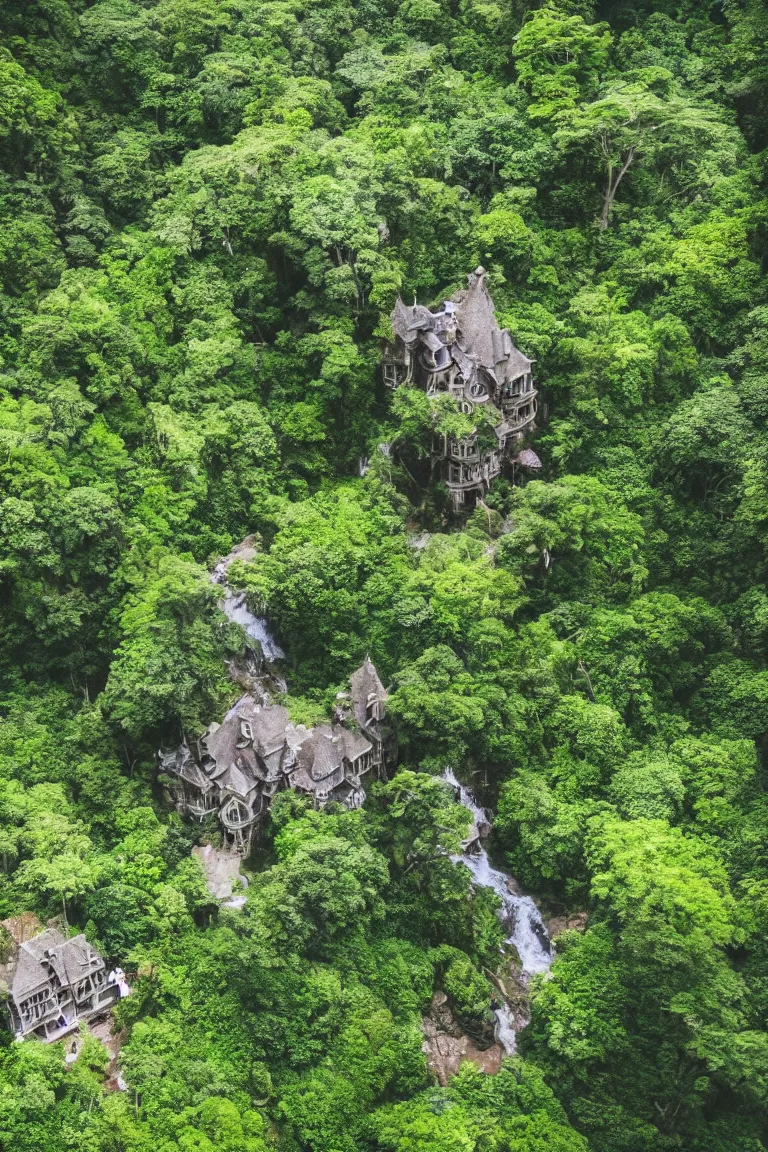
x=235 y=813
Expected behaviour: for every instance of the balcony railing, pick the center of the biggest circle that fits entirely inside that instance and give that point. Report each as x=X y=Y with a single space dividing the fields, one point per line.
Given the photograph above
x=477 y=478
x=512 y=421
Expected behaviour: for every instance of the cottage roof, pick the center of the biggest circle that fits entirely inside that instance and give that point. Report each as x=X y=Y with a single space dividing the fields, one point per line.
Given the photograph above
x=76 y=958
x=481 y=334
x=177 y=760
x=220 y=742
x=296 y=735
x=328 y=753
x=29 y=976
x=39 y=946
x=225 y=742
x=480 y=339
x=517 y=363
x=70 y=960
x=305 y=747
x=364 y=683
x=466 y=362
x=477 y=320
x=420 y=319
x=268 y=726
x=401 y=319
x=300 y=778
x=236 y=779
x=354 y=743
x=194 y=775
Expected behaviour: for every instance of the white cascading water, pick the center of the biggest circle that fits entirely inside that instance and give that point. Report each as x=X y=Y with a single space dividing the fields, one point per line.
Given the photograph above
x=506 y=1028
x=519 y=915
x=235 y=608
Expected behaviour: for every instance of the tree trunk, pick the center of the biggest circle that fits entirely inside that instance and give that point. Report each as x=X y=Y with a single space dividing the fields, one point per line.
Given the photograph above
x=612 y=187
x=585 y=674
x=64 y=910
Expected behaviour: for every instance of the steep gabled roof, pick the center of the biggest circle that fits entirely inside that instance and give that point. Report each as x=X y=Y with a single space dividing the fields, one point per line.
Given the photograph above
x=268 y=726
x=354 y=743
x=480 y=340
x=401 y=319
x=75 y=959
x=225 y=744
x=30 y=975
x=220 y=742
x=300 y=778
x=420 y=319
x=44 y=942
x=517 y=364
x=194 y=775
x=477 y=320
x=297 y=735
x=70 y=960
x=177 y=760
x=481 y=335
x=363 y=683
x=328 y=750
x=237 y=780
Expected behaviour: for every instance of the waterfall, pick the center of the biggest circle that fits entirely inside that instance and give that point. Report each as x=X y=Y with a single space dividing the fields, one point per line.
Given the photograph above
x=519 y=914
x=236 y=609
x=235 y=606
x=506 y=1029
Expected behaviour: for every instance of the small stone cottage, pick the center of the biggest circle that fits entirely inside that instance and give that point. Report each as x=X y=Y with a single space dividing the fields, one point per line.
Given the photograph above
x=54 y=982
x=461 y=350
x=238 y=766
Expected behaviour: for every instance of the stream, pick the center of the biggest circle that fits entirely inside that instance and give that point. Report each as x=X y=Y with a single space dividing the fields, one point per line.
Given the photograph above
x=235 y=606
x=519 y=915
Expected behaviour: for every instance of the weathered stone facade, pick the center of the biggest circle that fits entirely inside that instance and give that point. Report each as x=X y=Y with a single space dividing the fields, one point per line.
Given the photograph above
x=460 y=349
x=53 y=983
x=238 y=766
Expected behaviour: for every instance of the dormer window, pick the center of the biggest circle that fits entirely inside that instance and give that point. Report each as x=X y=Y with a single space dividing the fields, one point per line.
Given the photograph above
x=246 y=733
x=372 y=707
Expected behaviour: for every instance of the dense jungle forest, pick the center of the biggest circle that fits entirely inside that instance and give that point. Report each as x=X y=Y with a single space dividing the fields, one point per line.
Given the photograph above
x=207 y=211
